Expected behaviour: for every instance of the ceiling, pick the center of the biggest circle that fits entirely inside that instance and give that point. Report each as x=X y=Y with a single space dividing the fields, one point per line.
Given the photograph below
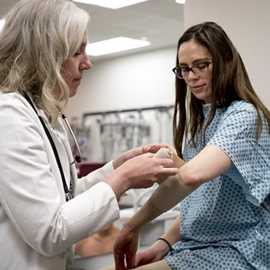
x=161 y=21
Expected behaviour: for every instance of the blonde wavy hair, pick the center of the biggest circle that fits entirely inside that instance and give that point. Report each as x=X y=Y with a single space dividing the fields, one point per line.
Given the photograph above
x=37 y=38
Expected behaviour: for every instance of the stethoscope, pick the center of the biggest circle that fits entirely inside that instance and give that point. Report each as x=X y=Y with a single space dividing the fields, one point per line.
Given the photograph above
x=78 y=155
x=77 y=158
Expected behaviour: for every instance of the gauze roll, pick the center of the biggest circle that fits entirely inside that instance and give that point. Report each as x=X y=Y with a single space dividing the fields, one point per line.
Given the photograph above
x=168 y=153
x=164 y=153
x=172 y=190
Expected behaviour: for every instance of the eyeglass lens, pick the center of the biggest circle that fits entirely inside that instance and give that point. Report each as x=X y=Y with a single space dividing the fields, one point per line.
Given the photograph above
x=182 y=72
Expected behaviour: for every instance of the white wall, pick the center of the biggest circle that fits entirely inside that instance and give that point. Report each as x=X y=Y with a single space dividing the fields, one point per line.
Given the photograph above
x=136 y=81
x=247 y=23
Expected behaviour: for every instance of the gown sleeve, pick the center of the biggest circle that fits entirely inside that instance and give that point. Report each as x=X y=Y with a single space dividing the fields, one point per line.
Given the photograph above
x=236 y=136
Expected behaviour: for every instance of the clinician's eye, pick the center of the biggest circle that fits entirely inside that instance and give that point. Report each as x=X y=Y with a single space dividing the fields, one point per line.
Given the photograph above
x=78 y=53
x=81 y=50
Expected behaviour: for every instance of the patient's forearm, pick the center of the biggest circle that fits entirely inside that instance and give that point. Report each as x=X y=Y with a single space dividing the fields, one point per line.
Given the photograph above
x=161 y=200
x=144 y=215
x=173 y=234
x=178 y=162
x=170 y=193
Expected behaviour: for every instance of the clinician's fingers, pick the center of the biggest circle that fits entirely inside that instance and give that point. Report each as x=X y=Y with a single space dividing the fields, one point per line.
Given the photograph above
x=154 y=147
x=151 y=148
x=170 y=171
x=167 y=163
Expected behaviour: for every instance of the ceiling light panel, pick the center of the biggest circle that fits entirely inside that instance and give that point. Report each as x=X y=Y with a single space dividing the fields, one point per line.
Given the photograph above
x=180 y=1
x=115 y=45
x=113 y=4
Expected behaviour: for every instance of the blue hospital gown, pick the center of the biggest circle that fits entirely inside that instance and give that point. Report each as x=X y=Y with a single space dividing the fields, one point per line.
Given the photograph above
x=226 y=222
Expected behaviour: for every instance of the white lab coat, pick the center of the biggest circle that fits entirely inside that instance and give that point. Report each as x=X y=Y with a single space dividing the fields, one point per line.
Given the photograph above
x=37 y=226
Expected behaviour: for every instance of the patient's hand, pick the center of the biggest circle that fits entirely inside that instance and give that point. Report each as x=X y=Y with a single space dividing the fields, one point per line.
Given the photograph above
x=153 y=254
x=125 y=249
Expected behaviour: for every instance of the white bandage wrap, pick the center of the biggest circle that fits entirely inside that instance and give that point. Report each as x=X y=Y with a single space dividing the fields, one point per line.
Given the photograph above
x=164 y=153
x=172 y=190
x=170 y=193
x=168 y=153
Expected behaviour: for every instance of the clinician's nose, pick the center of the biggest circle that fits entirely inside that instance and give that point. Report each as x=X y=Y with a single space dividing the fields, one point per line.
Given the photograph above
x=86 y=64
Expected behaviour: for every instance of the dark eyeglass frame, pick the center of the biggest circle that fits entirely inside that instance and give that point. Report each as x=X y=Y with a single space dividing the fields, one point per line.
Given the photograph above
x=188 y=69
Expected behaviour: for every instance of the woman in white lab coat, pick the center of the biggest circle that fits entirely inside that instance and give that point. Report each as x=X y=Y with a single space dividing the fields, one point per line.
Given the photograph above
x=42 y=60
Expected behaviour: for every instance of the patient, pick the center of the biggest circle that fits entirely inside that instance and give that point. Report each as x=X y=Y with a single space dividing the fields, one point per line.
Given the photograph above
x=222 y=133
x=98 y=244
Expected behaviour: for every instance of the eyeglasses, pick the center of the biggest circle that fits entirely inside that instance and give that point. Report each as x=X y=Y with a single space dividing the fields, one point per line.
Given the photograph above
x=197 y=69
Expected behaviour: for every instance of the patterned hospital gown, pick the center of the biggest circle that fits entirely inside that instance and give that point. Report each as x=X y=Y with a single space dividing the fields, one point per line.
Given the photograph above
x=226 y=222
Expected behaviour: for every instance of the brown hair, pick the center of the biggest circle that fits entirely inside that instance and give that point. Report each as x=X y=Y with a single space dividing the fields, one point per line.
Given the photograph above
x=230 y=82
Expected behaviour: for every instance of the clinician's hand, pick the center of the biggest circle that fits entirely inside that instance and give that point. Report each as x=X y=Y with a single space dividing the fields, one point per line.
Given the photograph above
x=151 y=148
x=140 y=172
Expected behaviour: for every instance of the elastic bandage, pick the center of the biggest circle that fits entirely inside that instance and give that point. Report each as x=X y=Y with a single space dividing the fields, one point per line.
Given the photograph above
x=172 y=190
